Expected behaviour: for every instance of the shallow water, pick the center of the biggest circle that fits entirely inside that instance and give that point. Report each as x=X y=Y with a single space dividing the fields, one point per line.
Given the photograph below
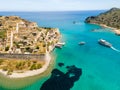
x=100 y=65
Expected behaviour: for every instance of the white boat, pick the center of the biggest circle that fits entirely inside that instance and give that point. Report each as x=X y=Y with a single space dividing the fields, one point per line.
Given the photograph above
x=104 y=43
x=76 y=22
x=82 y=43
x=58 y=46
x=61 y=43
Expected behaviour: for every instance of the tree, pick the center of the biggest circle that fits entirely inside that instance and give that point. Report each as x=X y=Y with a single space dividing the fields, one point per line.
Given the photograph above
x=7 y=48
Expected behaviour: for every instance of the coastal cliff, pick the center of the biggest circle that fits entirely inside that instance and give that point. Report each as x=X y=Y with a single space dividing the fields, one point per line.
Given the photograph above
x=110 y=18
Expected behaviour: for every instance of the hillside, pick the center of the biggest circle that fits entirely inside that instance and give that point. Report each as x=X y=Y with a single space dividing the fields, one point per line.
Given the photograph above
x=20 y=36
x=109 y=18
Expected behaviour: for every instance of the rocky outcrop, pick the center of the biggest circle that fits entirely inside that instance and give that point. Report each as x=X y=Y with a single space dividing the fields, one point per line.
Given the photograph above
x=109 y=18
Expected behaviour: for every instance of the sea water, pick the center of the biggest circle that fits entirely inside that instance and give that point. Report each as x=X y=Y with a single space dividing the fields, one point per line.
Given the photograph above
x=100 y=65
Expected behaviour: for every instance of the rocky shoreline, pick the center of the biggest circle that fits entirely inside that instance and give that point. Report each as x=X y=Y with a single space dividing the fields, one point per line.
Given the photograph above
x=109 y=19
x=115 y=30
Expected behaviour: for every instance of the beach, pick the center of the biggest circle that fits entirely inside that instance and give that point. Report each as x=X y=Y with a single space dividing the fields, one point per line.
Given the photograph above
x=30 y=73
x=115 y=30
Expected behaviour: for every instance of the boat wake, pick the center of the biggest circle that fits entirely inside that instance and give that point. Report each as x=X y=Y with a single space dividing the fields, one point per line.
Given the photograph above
x=115 y=49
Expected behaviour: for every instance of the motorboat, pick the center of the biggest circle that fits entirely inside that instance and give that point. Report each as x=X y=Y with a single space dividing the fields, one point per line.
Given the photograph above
x=81 y=43
x=61 y=43
x=58 y=46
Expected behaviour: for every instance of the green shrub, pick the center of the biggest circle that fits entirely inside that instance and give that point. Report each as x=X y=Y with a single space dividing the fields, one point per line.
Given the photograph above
x=5 y=68
x=7 y=48
x=2 y=34
x=23 y=63
x=33 y=67
x=9 y=72
x=18 y=65
x=1 y=61
x=34 y=61
x=37 y=47
x=39 y=66
x=29 y=63
x=27 y=48
x=24 y=37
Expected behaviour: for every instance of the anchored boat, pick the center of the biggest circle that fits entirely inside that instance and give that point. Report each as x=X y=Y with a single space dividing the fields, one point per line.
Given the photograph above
x=81 y=43
x=59 y=44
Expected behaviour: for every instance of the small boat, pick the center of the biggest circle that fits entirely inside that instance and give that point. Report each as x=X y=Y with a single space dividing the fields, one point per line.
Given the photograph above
x=82 y=43
x=61 y=43
x=104 y=43
x=94 y=30
x=74 y=22
x=58 y=46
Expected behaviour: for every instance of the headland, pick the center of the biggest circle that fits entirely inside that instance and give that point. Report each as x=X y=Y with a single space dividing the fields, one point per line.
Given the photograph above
x=26 y=45
x=109 y=19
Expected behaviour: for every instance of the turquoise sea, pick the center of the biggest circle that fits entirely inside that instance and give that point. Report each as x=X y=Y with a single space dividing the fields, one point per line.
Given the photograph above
x=100 y=65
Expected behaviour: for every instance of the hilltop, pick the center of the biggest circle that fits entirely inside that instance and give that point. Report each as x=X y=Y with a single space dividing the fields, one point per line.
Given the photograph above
x=109 y=18
x=21 y=36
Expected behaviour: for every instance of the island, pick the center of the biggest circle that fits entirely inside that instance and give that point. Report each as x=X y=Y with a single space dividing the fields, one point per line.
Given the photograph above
x=25 y=47
x=109 y=19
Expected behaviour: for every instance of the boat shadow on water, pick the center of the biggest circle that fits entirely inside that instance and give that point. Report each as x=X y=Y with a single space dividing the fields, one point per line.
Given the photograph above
x=62 y=81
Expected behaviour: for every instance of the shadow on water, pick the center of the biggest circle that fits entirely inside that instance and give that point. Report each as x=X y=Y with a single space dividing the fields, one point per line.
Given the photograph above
x=60 y=64
x=62 y=81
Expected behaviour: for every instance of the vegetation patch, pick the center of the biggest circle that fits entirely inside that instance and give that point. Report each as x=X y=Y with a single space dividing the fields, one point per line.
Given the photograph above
x=2 y=33
x=110 y=18
x=11 y=66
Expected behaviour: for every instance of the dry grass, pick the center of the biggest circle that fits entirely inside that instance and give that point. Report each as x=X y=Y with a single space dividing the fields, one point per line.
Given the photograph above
x=20 y=65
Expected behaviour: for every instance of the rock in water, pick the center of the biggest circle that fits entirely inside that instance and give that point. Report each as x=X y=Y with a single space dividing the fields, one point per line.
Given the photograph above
x=60 y=64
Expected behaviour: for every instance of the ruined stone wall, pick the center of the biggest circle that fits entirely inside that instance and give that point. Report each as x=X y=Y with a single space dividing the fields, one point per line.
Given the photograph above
x=23 y=56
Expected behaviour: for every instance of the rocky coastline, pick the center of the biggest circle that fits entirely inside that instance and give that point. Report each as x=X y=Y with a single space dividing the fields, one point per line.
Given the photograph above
x=109 y=19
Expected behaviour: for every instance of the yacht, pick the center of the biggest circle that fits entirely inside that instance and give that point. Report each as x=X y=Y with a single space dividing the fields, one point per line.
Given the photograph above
x=104 y=43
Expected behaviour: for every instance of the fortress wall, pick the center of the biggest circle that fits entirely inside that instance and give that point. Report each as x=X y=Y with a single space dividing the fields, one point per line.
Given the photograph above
x=23 y=56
